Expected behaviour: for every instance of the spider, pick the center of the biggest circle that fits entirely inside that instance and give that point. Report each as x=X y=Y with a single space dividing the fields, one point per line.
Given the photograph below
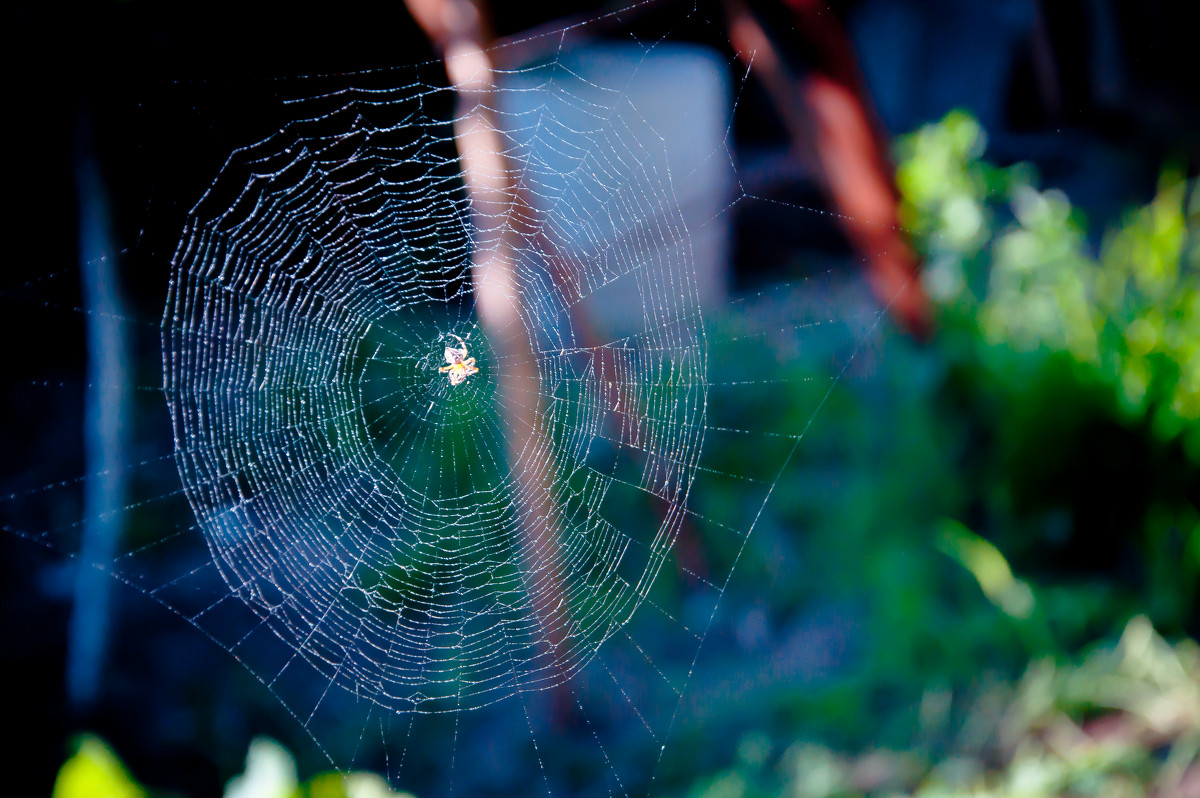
x=459 y=365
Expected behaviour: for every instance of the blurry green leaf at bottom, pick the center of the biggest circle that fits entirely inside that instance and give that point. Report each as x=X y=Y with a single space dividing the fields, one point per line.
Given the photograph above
x=94 y=770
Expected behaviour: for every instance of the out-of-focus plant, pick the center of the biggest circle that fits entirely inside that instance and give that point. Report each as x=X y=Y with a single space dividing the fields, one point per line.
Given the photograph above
x=95 y=770
x=986 y=505
x=1123 y=720
x=1084 y=349
x=1132 y=312
x=270 y=772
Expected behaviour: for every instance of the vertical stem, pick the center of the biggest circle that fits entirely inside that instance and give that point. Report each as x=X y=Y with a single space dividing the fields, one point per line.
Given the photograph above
x=105 y=400
x=503 y=219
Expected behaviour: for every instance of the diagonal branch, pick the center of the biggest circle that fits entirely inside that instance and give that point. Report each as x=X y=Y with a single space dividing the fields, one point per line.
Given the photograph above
x=825 y=112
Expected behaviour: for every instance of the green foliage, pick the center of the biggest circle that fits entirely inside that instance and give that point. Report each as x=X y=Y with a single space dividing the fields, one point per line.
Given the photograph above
x=1078 y=363
x=985 y=562
x=986 y=505
x=1014 y=262
x=94 y=770
x=1121 y=720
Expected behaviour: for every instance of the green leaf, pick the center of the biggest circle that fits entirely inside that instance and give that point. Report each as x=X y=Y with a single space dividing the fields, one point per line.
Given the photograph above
x=93 y=771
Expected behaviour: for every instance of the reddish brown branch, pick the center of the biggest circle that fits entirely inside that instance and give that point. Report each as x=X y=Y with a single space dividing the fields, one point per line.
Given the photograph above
x=826 y=115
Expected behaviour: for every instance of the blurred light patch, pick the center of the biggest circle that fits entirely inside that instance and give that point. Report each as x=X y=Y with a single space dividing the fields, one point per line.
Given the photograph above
x=270 y=772
x=985 y=562
x=94 y=770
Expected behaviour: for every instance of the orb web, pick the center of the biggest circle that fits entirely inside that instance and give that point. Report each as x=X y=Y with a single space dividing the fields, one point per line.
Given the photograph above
x=495 y=587
x=362 y=505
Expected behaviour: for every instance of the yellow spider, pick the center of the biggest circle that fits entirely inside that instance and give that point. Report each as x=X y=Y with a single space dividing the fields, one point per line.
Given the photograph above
x=459 y=365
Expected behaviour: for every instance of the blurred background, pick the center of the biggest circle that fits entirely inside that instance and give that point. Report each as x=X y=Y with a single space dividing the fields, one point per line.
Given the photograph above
x=980 y=572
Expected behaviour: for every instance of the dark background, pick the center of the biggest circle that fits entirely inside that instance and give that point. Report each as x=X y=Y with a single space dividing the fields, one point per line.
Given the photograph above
x=1096 y=94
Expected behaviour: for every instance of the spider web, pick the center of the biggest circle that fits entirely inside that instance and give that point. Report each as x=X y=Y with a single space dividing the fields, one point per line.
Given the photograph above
x=468 y=587
x=356 y=499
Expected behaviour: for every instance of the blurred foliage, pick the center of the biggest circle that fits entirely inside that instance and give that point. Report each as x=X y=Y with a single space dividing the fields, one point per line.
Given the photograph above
x=1015 y=261
x=1089 y=353
x=1124 y=721
x=94 y=771
x=987 y=505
